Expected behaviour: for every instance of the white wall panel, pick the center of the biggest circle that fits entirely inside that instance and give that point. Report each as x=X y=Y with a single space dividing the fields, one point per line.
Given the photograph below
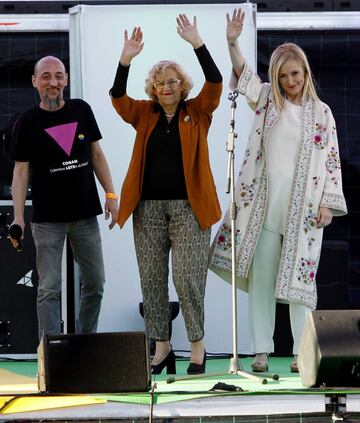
x=96 y=39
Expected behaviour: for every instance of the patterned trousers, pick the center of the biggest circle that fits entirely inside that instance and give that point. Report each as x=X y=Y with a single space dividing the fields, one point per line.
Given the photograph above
x=161 y=226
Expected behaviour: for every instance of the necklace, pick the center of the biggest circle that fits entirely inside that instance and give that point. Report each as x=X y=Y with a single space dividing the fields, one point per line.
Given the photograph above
x=170 y=115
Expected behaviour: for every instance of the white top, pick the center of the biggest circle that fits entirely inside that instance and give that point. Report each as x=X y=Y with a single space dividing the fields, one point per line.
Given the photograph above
x=282 y=148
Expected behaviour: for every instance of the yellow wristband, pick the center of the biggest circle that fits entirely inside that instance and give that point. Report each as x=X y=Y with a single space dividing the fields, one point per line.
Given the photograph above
x=111 y=195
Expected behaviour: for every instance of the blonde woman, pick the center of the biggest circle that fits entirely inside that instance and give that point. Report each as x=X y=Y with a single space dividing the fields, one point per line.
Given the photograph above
x=289 y=189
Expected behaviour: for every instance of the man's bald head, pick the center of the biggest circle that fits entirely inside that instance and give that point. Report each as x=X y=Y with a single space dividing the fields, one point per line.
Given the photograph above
x=46 y=60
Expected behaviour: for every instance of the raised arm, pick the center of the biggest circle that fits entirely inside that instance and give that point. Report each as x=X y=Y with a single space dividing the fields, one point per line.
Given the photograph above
x=132 y=46
x=188 y=31
x=233 y=31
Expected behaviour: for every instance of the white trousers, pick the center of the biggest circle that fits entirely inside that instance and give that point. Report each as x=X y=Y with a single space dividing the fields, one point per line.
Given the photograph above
x=262 y=302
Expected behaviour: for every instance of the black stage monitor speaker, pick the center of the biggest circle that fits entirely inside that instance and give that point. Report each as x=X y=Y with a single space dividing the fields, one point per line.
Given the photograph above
x=94 y=363
x=329 y=352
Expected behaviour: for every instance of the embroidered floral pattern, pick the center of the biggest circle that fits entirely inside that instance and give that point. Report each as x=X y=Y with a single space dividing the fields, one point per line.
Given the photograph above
x=261 y=110
x=306 y=270
x=256 y=219
x=333 y=161
x=310 y=241
x=334 y=180
x=287 y=265
x=245 y=79
x=246 y=155
x=223 y=240
x=247 y=192
x=334 y=201
x=258 y=156
x=309 y=219
x=320 y=140
x=220 y=262
x=272 y=116
x=316 y=180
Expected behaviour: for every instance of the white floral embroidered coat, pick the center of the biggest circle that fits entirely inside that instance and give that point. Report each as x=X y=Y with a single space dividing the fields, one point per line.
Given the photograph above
x=316 y=183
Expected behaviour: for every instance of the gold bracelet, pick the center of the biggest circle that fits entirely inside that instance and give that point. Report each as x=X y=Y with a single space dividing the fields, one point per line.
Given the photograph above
x=111 y=195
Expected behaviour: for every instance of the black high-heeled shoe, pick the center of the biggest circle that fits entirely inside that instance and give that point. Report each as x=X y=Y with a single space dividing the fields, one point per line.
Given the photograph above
x=168 y=362
x=197 y=369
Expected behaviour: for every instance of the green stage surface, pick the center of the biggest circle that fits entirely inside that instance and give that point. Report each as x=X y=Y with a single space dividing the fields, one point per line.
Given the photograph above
x=186 y=389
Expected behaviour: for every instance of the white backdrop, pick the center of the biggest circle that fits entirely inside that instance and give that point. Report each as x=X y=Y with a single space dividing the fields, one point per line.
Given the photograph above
x=96 y=39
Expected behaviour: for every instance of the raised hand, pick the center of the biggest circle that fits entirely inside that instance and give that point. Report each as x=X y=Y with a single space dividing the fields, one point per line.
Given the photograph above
x=234 y=25
x=188 y=31
x=132 y=46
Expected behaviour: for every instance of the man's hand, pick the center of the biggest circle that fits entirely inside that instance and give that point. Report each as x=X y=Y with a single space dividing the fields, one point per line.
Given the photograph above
x=16 y=233
x=111 y=208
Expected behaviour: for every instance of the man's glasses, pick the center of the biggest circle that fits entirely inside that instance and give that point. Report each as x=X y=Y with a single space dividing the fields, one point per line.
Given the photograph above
x=172 y=83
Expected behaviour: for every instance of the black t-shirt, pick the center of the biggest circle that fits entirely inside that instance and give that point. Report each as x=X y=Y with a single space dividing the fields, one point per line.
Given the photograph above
x=57 y=146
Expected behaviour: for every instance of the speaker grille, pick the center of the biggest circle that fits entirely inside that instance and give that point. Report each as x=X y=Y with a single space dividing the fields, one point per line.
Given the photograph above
x=93 y=363
x=330 y=349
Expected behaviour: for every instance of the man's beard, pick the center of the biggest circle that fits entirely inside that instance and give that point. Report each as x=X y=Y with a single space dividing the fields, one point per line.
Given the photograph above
x=53 y=104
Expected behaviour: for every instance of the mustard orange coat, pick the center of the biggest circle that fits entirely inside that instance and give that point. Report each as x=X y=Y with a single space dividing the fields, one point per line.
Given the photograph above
x=194 y=122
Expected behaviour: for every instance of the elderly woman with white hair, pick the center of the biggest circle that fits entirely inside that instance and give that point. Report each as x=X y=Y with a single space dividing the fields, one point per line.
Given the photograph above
x=289 y=189
x=169 y=189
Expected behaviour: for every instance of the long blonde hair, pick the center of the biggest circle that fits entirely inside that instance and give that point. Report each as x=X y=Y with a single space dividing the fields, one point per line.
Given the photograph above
x=161 y=67
x=280 y=55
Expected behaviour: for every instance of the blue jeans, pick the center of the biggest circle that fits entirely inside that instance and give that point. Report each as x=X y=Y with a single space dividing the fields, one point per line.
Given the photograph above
x=85 y=241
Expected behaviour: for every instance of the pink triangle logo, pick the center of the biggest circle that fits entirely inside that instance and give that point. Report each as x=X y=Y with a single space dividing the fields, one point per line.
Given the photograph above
x=63 y=135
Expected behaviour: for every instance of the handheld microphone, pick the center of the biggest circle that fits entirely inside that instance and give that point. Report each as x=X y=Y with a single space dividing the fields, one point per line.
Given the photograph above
x=15 y=233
